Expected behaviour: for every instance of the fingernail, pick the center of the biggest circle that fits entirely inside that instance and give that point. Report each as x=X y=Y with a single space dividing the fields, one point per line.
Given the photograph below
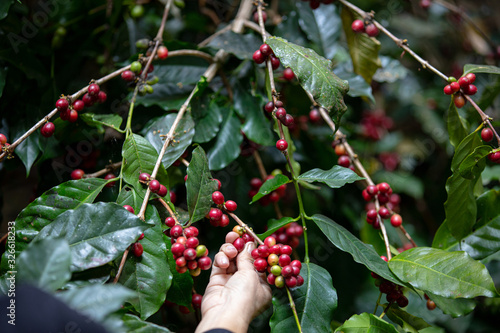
x=224 y=261
x=250 y=246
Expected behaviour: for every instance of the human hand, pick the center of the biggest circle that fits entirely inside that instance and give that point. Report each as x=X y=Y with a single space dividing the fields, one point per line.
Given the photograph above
x=236 y=293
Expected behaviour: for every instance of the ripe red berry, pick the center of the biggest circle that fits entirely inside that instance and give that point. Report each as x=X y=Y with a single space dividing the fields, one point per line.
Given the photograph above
x=384 y=212
x=173 y=197
x=102 y=97
x=255 y=183
x=289 y=121
x=371 y=30
x=154 y=186
x=62 y=104
x=288 y=74
x=162 y=191
x=470 y=90
x=196 y=300
x=162 y=52
x=396 y=220
x=430 y=305
x=141 y=236
x=371 y=214
x=487 y=134
x=269 y=107
x=425 y=4
x=129 y=208
x=454 y=86
x=281 y=145
x=258 y=57
x=73 y=116
x=176 y=231
x=218 y=198
x=3 y=139
x=256 y=16
x=296 y=263
x=275 y=61
x=384 y=258
x=137 y=249
x=144 y=176
x=204 y=263
x=265 y=50
x=471 y=77
x=181 y=261
x=358 y=26
x=383 y=187
x=281 y=114
x=218 y=184
x=260 y=265
x=231 y=205
x=278 y=104
x=314 y=116
x=189 y=254
x=77 y=174
x=88 y=100
x=128 y=76
x=494 y=157
x=48 y=129
x=78 y=105
x=344 y=161
x=178 y=249
x=93 y=90
x=463 y=82
x=459 y=100
x=284 y=260
x=447 y=90
x=286 y=249
x=192 y=242
x=224 y=221
x=372 y=189
x=215 y=214
x=108 y=177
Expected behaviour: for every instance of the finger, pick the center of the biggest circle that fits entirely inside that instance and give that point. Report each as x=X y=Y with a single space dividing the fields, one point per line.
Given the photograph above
x=231 y=237
x=229 y=250
x=221 y=260
x=244 y=259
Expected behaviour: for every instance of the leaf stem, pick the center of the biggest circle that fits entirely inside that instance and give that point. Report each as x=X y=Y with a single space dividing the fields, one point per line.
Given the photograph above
x=170 y=211
x=303 y=215
x=294 y=310
x=108 y=168
x=377 y=303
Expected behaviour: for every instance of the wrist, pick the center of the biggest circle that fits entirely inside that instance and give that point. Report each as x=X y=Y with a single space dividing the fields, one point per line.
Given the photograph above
x=225 y=318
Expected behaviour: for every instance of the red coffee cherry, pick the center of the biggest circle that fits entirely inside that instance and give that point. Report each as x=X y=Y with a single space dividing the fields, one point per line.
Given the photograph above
x=459 y=100
x=108 y=177
x=137 y=249
x=396 y=220
x=78 y=105
x=471 y=77
x=371 y=30
x=258 y=57
x=275 y=61
x=218 y=198
x=77 y=174
x=128 y=76
x=358 y=26
x=196 y=300
x=463 y=82
x=486 y=134
x=48 y=129
x=154 y=186
x=344 y=161
x=454 y=86
x=93 y=90
x=447 y=90
x=231 y=205
x=62 y=104
x=281 y=145
x=129 y=208
x=269 y=107
x=162 y=191
x=265 y=50
x=162 y=52
x=288 y=74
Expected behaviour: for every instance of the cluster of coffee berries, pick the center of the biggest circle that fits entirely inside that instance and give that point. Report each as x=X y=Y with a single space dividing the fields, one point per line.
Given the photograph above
x=196 y=300
x=132 y=76
x=360 y=26
x=344 y=160
x=274 y=196
x=188 y=253
x=280 y=112
x=314 y=4
x=430 y=303
x=289 y=234
x=216 y=217
x=393 y=291
x=239 y=243
x=153 y=184
x=464 y=86
x=3 y=142
x=375 y=124
x=275 y=259
x=383 y=193
x=265 y=52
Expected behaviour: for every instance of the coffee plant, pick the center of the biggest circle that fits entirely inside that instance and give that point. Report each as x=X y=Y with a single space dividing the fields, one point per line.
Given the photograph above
x=354 y=142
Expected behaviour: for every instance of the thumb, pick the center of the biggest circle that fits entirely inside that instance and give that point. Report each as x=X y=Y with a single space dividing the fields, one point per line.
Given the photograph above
x=245 y=260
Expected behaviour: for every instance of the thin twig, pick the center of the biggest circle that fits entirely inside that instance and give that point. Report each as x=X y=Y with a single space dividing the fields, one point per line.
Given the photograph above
x=108 y=168
x=4 y=237
x=294 y=310
x=217 y=33
x=122 y=264
x=248 y=230
x=407 y=235
x=484 y=117
x=170 y=211
x=260 y=165
x=193 y=53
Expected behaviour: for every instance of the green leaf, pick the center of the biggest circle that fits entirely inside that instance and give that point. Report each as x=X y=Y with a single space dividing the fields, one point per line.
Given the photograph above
x=457 y=128
x=274 y=225
x=402 y=182
x=97 y=120
x=28 y=150
x=136 y=325
x=150 y=274
x=446 y=274
x=139 y=156
x=242 y=46
x=315 y=301
x=4 y=8
x=336 y=177
x=183 y=136
x=366 y=322
x=454 y=307
x=51 y=204
x=207 y=116
x=3 y=71
x=129 y=196
x=314 y=74
x=96 y=233
x=357 y=85
x=361 y=252
x=487 y=207
x=45 y=264
x=227 y=145
x=256 y=126
x=270 y=185
x=199 y=186
x=408 y=322
x=97 y=301
x=391 y=71
x=474 y=163
x=488 y=69
x=322 y=27
x=363 y=49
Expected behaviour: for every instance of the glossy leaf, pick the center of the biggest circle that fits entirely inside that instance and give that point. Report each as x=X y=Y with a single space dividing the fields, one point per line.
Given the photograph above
x=51 y=204
x=97 y=301
x=361 y=252
x=139 y=156
x=4 y=8
x=456 y=307
x=274 y=225
x=357 y=85
x=474 y=163
x=242 y=46
x=149 y=275
x=271 y=185
x=183 y=136
x=402 y=182
x=199 y=185
x=408 y=322
x=129 y=196
x=45 y=264
x=322 y=27
x=366 y=322
x=97 y=120
x=488 y=207
x=336 y=177
x=488 y=69
x=207 y=116
x=446 y=274
x=315 y=301
x=256 y=126
x=136 y=325
x=28 y=150
x=457 y=128
x=227 y=145
x=314 y=74
x=96 y=233
x=363 y=49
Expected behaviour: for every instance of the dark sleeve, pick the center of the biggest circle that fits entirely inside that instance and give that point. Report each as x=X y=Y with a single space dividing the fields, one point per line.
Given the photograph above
x=38 y=311
x=218 y=330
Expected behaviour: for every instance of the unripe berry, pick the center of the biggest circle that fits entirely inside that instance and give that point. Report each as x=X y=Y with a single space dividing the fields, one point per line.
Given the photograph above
x=340 y=150
x=279 y=282
x=272 y=260
x=459 y=100
x=200 y=250
x=275 y=270
x=136 y=67
x=430 y=305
